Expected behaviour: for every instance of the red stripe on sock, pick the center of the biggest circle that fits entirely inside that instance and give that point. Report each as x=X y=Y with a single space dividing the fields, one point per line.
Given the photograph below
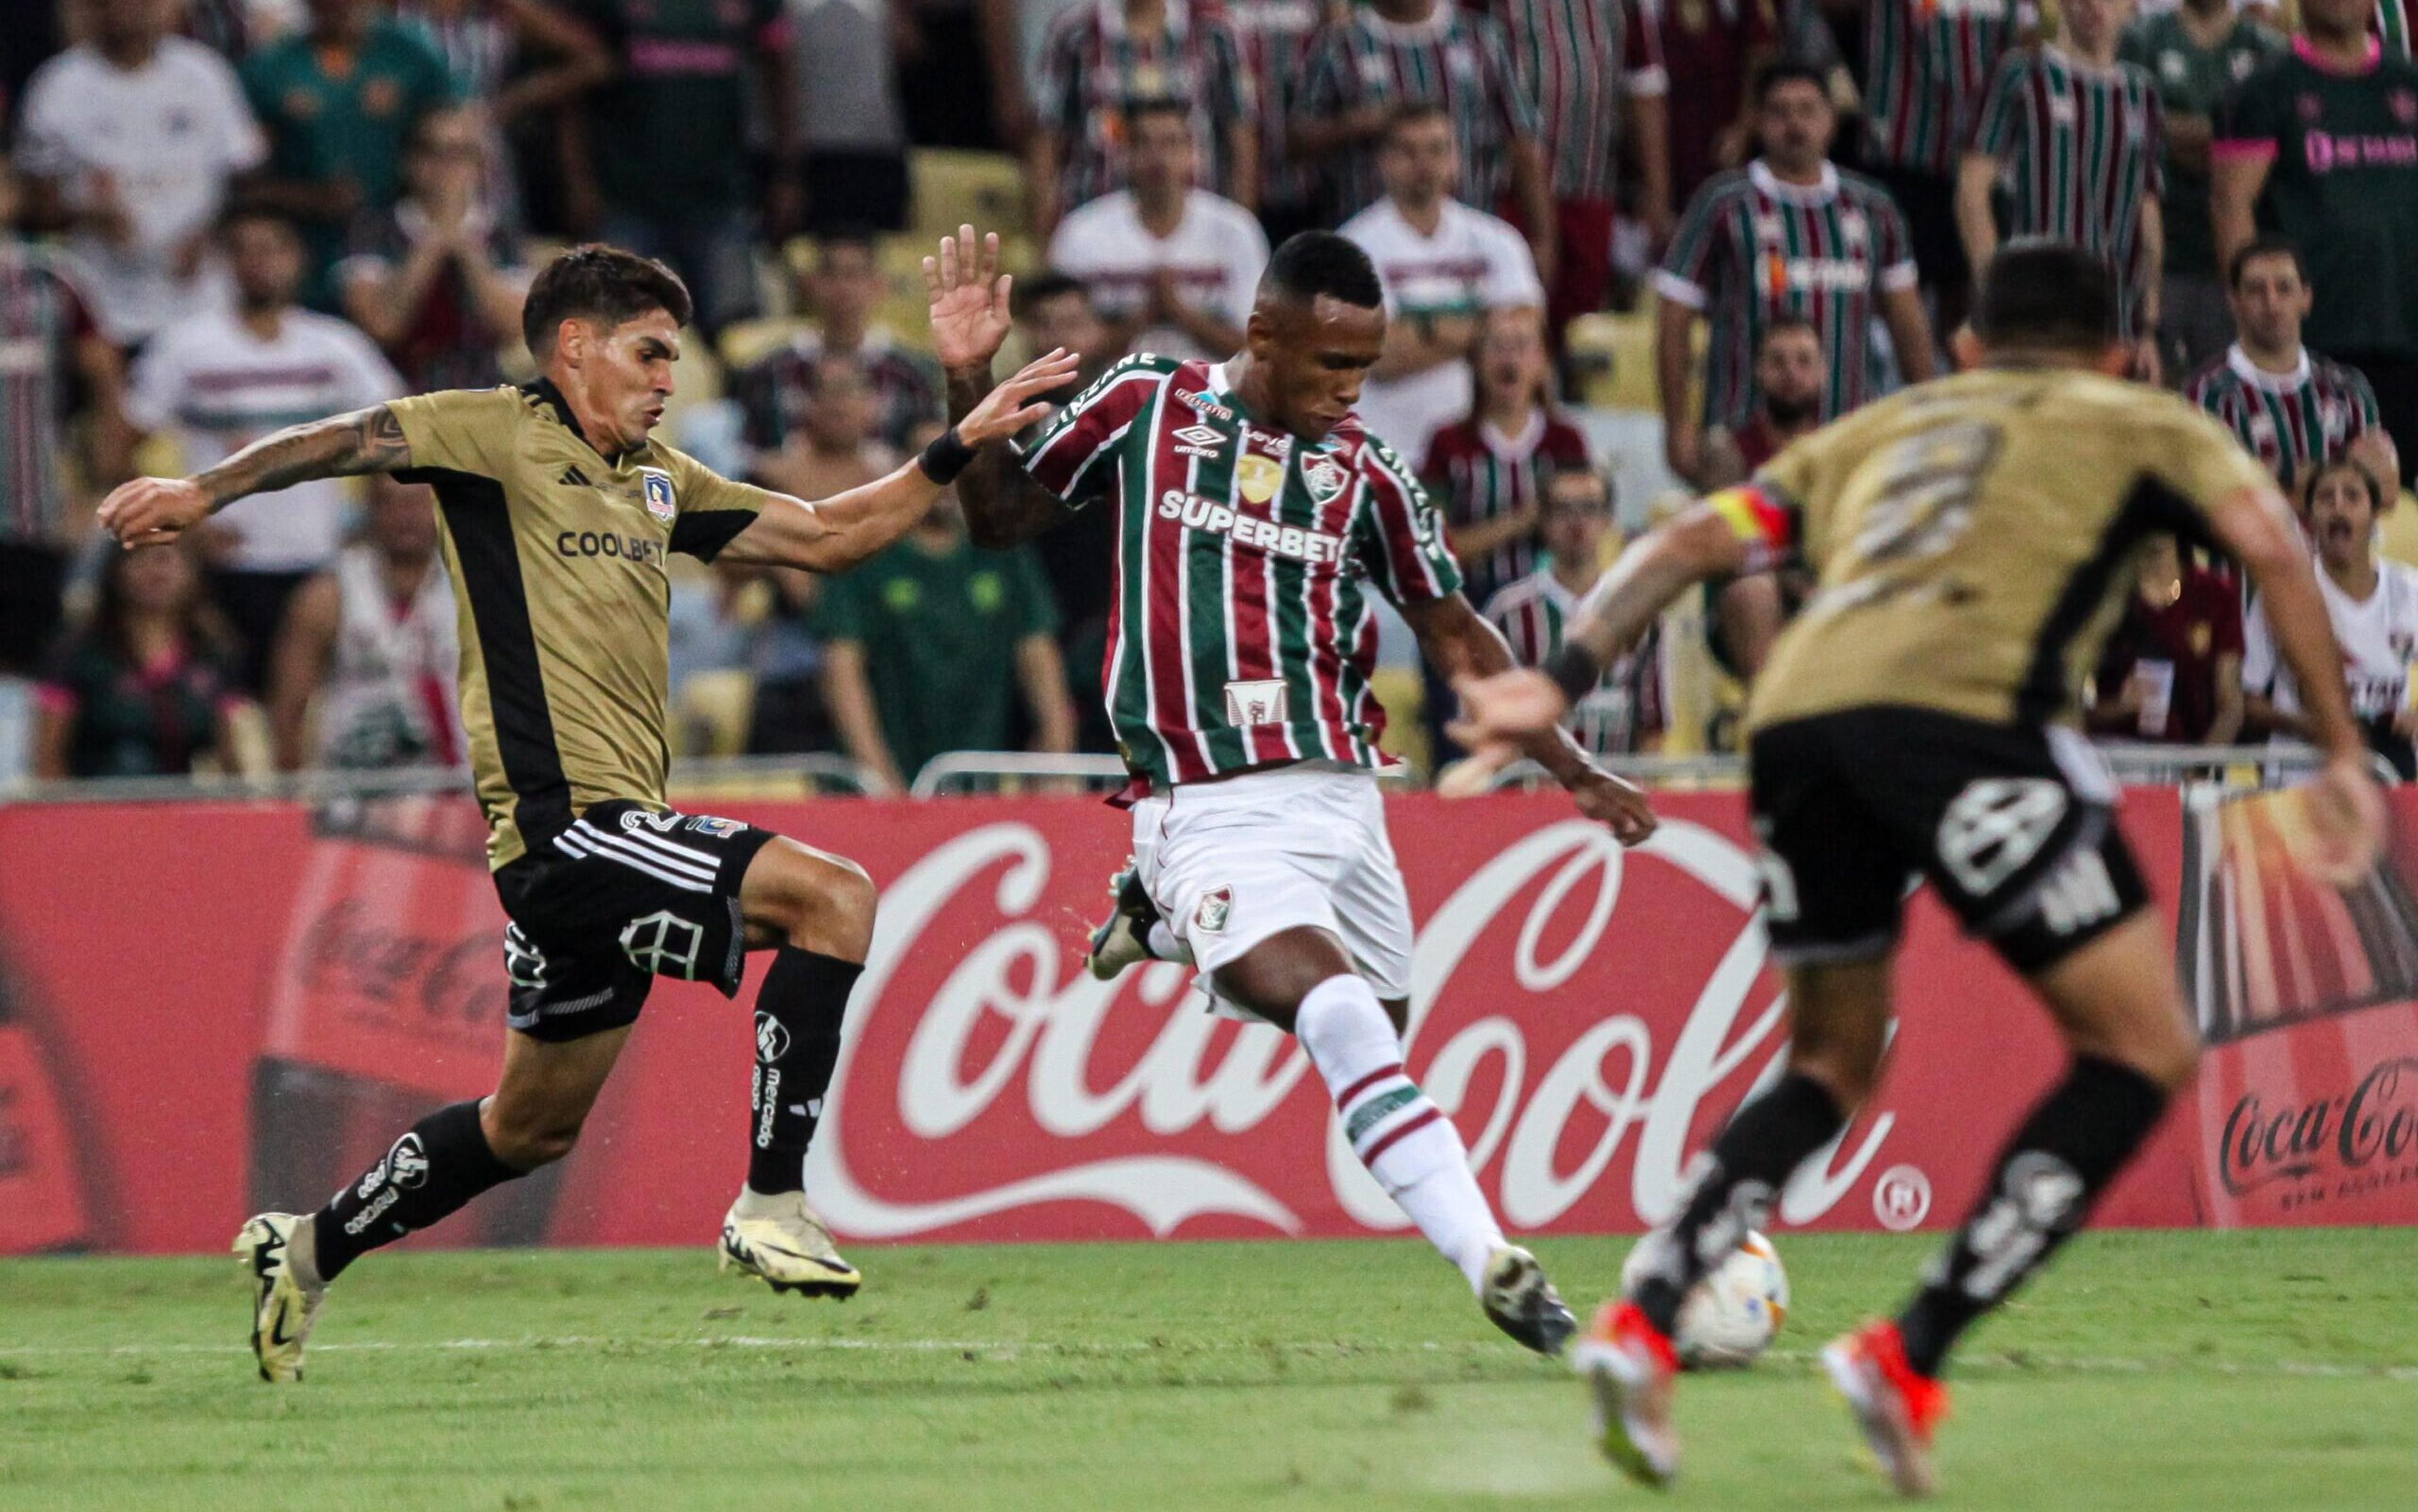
x=1343 y=1098
x=1431 y=1116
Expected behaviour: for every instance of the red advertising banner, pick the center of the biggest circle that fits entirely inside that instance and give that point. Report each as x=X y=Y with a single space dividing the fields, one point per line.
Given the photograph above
x=241 y=1003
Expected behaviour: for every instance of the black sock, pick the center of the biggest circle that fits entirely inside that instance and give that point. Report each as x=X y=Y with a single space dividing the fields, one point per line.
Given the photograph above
x=798 y=1016
x=1765 y=1140
x=2051 y=1172
x=441 y=1164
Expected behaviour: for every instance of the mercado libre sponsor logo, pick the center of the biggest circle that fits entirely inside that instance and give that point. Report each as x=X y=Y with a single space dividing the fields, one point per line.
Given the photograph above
x=2326 y=152
x=2342 y=1146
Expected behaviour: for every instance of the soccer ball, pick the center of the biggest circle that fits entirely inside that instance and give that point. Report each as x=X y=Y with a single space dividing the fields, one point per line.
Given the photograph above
x=1730 y=1315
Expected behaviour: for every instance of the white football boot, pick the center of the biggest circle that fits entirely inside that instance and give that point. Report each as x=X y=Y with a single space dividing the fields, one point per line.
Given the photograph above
x=286 y=1296
x=783 y=1239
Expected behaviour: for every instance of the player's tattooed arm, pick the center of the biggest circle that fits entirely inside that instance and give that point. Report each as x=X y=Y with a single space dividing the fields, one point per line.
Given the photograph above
x=1004 y=506
x=150 y=511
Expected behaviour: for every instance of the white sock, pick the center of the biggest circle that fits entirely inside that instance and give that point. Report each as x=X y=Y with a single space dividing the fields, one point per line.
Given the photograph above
x=1163 y=944
x=1404 y=1139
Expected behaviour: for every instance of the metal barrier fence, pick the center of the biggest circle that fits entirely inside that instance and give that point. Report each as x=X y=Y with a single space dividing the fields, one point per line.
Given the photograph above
x=961 y=772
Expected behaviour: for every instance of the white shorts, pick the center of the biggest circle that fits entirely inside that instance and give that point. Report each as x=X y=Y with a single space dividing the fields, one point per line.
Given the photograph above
x=1230 y=862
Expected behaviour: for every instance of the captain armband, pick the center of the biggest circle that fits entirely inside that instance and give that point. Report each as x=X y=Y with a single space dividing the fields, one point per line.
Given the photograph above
x=1756 y=515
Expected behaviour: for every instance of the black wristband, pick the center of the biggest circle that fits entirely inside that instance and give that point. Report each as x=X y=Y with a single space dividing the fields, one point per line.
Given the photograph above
x=1576 y=670
x=946 y=457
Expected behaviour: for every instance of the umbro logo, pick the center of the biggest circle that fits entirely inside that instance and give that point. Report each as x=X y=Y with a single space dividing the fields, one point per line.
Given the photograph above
x=1200 y=434
x=573 y=477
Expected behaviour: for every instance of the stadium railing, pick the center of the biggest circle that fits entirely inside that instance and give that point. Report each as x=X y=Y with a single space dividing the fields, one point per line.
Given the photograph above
x=962 y=772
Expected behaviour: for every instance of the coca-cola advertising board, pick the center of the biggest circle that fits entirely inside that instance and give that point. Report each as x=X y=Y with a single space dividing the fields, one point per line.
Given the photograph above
x=241 y=1001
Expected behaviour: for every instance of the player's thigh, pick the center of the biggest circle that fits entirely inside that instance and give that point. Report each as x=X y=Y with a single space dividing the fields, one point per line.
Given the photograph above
x=810 y=898
x=1275 y=973
x=1227 y=874
x=2117 y=998
x=1834 y=877
x=661 y=889
x=1372 y=908
x=545 y=1093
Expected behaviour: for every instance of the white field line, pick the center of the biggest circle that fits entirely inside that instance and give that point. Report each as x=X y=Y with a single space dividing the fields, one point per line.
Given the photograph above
x=1003 y=1350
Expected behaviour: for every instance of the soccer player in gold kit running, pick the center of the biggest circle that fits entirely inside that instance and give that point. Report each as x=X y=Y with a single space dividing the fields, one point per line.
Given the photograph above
x=558 y=508
x=1973 y=540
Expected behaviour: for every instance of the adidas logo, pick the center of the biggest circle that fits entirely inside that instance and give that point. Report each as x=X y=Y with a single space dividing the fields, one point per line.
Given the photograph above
x=573 y=477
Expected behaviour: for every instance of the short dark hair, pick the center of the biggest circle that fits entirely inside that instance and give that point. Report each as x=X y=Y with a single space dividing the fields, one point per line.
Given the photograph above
x=1043 y=286
x=1594 y=477
x=1772 y=75
x=1311 y=263
x=249 y=212
x=2038 y=292
x=2375 y=486
x=856 y=234
x=1415 y=113
x=1789 y=321
x=601 y=284
x=2269 y=245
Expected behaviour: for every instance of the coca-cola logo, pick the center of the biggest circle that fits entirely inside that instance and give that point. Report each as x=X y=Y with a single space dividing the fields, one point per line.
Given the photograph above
x=2366 y=1136
x=1546 y=1102
x=347 y=954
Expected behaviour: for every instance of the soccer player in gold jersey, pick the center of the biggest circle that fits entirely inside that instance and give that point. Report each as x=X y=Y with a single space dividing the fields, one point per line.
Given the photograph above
x=1972 y=539
x=557 y=507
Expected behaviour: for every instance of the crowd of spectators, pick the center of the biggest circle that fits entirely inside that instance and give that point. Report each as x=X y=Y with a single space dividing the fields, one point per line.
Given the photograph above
x=218 y=217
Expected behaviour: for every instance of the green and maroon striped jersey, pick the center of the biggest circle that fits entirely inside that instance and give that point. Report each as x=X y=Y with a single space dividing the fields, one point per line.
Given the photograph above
x=1455 y=58
x=1241 y=631
x=1578 y=59
x=1927 y=65
x=1752 y=247
x=2288 y=420
x=2079 y=147
x=1625 y=708
x=43 y=316
x=1094 y=68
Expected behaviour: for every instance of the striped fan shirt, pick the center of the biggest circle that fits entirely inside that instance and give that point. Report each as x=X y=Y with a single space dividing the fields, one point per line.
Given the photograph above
x=1752 y=247
x=1275 y=37
x=1577 y=59
x=1927 y=65
x=1455 y=58
x=1625 y=708
x=42 y=318
x=1482 y=474
x=1241 y=631
x=2288 y=420
x=1094 y=68
x=2080 y=146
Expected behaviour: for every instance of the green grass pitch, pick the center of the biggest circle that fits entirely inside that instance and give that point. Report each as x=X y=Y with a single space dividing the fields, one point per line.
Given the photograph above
x=2187 y=1370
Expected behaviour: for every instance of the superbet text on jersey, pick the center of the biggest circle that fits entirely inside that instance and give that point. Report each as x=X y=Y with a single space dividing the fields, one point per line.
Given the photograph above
x=1242 y=631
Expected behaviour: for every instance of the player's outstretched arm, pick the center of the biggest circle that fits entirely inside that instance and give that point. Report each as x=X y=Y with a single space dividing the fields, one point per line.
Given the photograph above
x=1459 y=643
x=970 y=322
x=1505 y=708
x=834 y=534
x=150 y=511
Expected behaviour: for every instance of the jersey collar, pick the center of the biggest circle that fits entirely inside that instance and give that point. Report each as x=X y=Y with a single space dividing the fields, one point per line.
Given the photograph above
x=2302 y=50
x=1759 y=173
x=2258 y=377
x=545 y=393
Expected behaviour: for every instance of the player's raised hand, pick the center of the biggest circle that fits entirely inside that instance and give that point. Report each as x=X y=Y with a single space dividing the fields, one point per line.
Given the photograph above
x=1017 y=403
x=152 y=512
x=2346 y=818
x=968 y=298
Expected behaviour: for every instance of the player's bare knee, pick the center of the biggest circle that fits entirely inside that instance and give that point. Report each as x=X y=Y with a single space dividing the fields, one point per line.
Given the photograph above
x=525 y=1139
x=812 y=900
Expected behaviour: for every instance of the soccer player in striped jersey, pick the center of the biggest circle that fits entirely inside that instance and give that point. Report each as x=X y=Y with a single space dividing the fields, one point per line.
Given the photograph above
x=1392 y=53
x=1622 y=714
x=1274 y=37
x=1927 y=64
x=2079 y=138
x=1102 y=59
x=1788 y=235
x=2291 y=407
x=1254 y=519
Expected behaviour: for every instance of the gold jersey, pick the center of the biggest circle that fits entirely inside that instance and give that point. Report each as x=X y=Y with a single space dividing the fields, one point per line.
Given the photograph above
x=1974 y=537
x=556 y=553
